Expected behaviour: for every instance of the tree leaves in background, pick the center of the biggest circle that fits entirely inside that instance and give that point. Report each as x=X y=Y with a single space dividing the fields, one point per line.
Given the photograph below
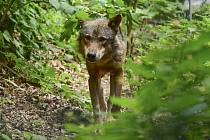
x=69 y=26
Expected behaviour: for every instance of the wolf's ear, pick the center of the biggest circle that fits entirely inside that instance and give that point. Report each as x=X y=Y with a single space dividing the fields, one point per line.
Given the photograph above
x=114 y=23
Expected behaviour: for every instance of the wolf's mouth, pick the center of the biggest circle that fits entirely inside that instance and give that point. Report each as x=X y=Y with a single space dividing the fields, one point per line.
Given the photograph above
x=92 y=60
x=92 y=57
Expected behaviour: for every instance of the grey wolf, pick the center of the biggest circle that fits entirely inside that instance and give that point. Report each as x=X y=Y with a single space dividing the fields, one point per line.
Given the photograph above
x=102 y=44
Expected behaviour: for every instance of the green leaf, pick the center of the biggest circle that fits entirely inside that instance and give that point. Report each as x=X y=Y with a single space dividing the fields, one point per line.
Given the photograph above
x=25 y=23
x=198 y=43
x=7 y=36
x=144 y=69
x=27 y=135
x=82 y=15
x=31 y=136
x=130 y=103
x=70 y=24
x=50 y=72
x=20 y=3
x=33 y=22
x=5 y=137
x=194 y=109
x=182 y=102
x=64 y=76
x=120 y=3
x=55 y=3
x=149 y=96
x=16 y=43
x=38 y=137
x=65 y=7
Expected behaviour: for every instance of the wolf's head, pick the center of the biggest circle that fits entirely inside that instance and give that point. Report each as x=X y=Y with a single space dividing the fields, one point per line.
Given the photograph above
x=97 y=37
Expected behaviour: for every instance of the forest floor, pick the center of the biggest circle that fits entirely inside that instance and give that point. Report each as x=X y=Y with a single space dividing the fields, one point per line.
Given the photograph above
x=25 y=108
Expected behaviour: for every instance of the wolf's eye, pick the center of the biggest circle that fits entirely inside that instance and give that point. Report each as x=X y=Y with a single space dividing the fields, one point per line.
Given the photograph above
x=87 y=37
x=102 y=38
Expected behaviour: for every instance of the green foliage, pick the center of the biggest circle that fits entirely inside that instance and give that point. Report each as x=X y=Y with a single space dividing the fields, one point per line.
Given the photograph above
x=30 y=136
x=172 y=82
x=32 y=29
x=4 y=137
x=174 y=105
x=89 y=9
x=79 y=97
x=19 y=24
x=169 y=34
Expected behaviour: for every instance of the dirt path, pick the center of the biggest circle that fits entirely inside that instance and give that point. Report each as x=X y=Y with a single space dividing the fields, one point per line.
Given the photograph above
x=24 y=108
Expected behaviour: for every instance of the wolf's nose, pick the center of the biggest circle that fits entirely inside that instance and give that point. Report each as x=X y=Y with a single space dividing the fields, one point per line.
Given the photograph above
x=91 y=56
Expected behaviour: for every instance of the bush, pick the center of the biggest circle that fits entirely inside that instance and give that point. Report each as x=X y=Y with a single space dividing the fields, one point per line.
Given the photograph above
x=173 y=104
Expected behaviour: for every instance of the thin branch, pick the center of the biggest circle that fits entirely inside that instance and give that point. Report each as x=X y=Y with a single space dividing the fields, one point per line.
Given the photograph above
x=14 y=84
x=20 y=76
x=11 y=70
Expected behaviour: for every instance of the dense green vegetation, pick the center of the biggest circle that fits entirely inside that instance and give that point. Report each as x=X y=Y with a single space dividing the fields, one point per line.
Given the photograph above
x=167 y=66
x=173 y=104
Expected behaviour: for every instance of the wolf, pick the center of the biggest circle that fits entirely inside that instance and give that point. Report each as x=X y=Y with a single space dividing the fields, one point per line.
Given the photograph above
x=102 y=44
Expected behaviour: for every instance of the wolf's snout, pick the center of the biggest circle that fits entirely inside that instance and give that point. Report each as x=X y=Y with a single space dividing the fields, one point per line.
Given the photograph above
x=91 y=56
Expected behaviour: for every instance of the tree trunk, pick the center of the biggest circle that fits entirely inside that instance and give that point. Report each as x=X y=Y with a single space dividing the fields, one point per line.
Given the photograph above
x=129 y=25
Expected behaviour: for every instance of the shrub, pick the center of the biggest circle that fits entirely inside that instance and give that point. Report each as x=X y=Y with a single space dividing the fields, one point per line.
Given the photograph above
x=173 y=104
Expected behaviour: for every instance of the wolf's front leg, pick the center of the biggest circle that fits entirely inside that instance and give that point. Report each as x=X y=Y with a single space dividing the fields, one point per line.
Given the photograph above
x=116 y=80
x=102 y=101
x=94 y=88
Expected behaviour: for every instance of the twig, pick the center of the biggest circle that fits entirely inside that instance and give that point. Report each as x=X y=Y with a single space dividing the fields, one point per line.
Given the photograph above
x=14 y=84
x=20 y=76
x=14 y=72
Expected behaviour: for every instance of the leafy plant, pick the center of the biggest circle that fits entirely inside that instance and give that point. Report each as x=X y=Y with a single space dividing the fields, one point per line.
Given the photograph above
x=4 y=137
x=172 y=82
x=30 y=136
x=174 y=105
